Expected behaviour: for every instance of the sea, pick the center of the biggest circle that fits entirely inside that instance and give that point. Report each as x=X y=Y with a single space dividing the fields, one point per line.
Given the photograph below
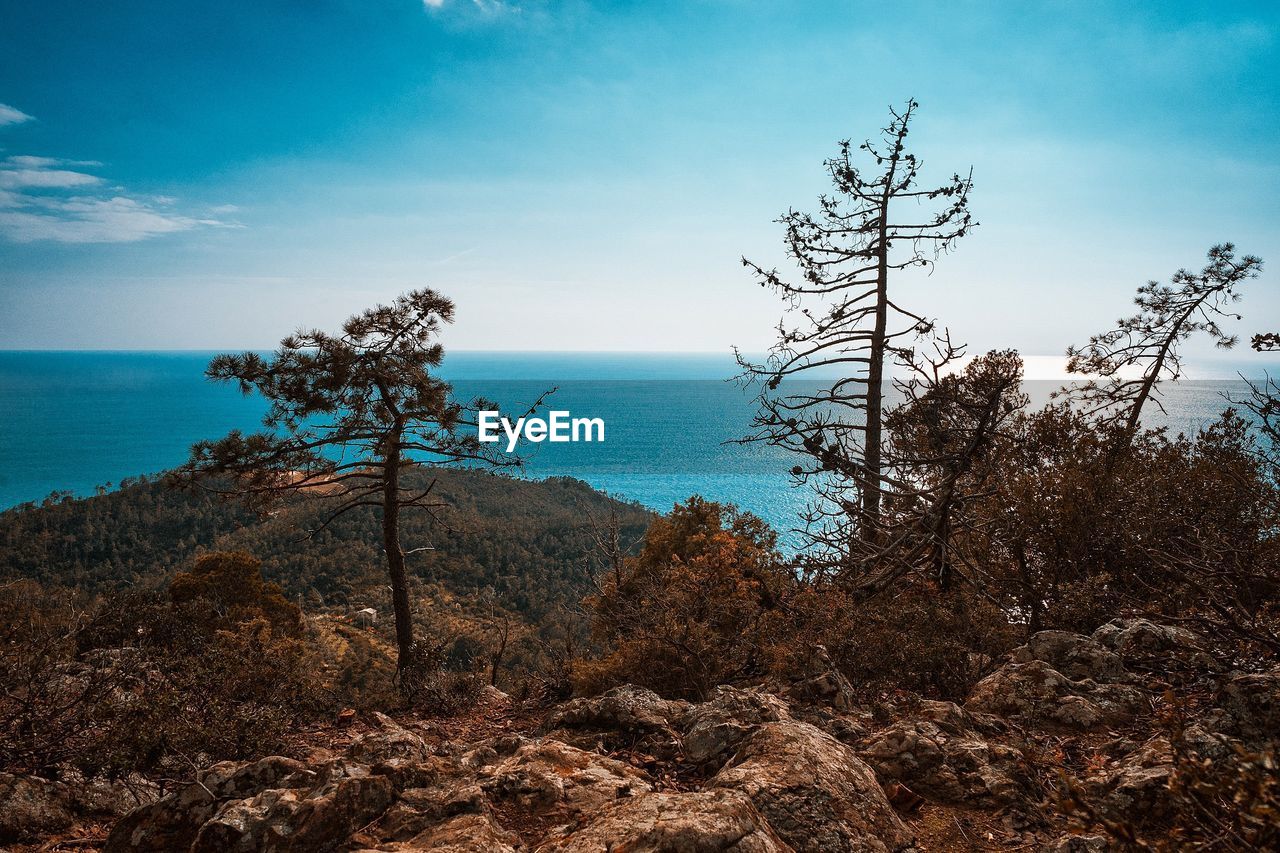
x=82 y=421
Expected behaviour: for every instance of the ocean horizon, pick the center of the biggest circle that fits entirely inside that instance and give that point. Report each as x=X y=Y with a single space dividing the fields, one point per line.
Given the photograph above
x=79 y=420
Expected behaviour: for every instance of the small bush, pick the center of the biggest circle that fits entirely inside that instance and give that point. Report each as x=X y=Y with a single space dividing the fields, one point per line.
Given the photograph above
x=152 y=681
x=686 y=614
x=917 y=639
x=430 y=688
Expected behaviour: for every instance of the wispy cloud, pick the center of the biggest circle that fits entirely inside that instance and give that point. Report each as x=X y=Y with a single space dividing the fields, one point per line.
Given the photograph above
x=12 y=115
x=49 y=199
x=488 y=8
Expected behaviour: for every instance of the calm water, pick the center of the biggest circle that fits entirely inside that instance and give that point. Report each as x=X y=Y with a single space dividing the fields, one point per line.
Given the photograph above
x=76 y=420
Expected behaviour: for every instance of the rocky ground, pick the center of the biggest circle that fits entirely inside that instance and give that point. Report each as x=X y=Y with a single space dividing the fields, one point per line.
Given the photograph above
x=795 y=767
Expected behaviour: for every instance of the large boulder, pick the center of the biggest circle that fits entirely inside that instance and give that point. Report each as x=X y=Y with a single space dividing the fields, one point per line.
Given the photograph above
x=554 y=779
x=624 y=717
x=716 y=727
x=628 y=708
x=314 y=819
x=813 y=790
x=1252 y=704
x=939 y=754
x=469 y=833
x=1145 y=645
x=173 y=821
x=390 y=742
x=31 y=807
x=1074 y=655
x=718 y=821
x=1036 y=692
x=827 y=689
x=1135 y=788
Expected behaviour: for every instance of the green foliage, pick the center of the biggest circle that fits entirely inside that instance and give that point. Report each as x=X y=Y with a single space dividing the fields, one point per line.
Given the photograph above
x=528 y=541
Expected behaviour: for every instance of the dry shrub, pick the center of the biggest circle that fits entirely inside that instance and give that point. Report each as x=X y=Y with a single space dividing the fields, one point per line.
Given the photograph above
x=915 y=639
x=229 y=589
x=237 y=697
x=1229 y=804
x=430 y=688
x=709 y=601
x=151 y=681
x=686 y=614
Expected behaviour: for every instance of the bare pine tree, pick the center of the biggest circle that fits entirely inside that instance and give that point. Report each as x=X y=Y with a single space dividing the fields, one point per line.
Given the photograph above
x=844 y=315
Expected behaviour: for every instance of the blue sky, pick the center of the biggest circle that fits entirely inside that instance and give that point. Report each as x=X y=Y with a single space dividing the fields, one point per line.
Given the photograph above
x=585 y=176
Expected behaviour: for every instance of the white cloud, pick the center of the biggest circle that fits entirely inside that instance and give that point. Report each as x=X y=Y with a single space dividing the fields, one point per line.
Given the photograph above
x=488 y=8
x=84 y=219
x=46 y=198
x=44 y=178
x=12 y=115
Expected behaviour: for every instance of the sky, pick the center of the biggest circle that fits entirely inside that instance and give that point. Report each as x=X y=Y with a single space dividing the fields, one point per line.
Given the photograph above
x=588 y=175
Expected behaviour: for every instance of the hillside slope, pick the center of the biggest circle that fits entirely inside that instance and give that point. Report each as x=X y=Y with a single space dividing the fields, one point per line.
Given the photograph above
x=529 y=540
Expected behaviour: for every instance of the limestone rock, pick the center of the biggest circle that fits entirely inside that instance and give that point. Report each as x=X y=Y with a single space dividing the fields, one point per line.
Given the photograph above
x=626 y=716
x=813 y=790
x=391 y=741
x=31 y=807
x=716 y=727
x=1252 y=702
x=549 y=776
x=317 y=819
x=829 y=689
x=1035 y=691
x=1074 y=655
x=1144 y=644
x=719 y=821
x=623 y=709
x=469 y=833
x=939 y=755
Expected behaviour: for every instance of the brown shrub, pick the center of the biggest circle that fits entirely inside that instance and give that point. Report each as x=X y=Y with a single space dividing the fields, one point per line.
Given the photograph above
x=685 y=614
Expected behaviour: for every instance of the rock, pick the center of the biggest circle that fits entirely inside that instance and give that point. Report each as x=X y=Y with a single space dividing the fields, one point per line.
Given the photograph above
x=1146 y=644
x=1252 y=704
x=31 y=807
x=1207 y=744
x=716 y=727
x=624 y=717
x=1137 y=788
x=548 y=776
x=628 y=708
x=813 y=790
x=469 y=833
x=1079 y=844
x=720 y=821
x=418 y=809
x=318 y=819
x=391 y=741
x=173 y=821
x=828 y=689
x=1074 y=655
x=939 y=756
x=1035 y=691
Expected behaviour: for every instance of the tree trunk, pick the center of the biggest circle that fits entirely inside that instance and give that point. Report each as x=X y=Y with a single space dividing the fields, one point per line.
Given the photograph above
x=395 y=554
x=875 y=381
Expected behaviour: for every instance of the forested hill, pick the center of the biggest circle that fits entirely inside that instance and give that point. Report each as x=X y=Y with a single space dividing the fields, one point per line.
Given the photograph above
x=530 y=541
